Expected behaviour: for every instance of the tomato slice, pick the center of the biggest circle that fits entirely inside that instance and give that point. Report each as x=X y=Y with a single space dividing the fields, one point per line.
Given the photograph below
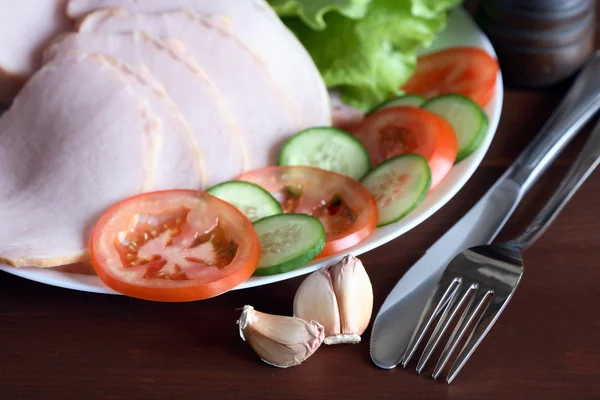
x=344 y=206
x=175 y=245
x=469 y=71
x=400 y=130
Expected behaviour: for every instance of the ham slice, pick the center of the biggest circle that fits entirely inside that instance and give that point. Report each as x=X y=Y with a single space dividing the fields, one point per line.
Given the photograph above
x=177 y=161
x=215 y=130
x=26 y=26
x=255 y=23
x=81 y=268
x=255 y=99
x=344 y=116
x=66 y=154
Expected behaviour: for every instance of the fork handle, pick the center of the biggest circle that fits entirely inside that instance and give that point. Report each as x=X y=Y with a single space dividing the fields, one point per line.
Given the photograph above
x=587 y=160
x=578 y=106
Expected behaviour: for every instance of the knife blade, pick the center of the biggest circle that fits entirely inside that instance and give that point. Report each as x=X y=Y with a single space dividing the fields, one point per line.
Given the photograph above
x=400 y=312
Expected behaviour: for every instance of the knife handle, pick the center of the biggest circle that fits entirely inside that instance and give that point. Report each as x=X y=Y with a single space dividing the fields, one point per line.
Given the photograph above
x=577 y=107
x=587 y=160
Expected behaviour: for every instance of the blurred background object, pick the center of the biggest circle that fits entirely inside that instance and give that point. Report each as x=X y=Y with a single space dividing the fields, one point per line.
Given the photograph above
x=539 y=42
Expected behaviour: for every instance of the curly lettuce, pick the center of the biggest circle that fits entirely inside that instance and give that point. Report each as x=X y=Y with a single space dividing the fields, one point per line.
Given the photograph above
x=312 y=12
x=366 y=56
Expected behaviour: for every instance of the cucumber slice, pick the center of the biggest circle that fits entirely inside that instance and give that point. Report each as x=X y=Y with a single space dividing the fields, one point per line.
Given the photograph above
x=327 y=148
x=252 y=200
x=288 y=241
x=468 y=120
x=414 y=100
x=398 y=185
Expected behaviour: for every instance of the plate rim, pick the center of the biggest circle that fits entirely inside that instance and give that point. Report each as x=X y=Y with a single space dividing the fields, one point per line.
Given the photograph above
x=93 y=284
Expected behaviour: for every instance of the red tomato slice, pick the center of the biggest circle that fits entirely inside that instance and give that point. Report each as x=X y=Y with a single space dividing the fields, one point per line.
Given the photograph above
x=344 y=206
x=469 y=71
x=176 y=245
x=404 y=129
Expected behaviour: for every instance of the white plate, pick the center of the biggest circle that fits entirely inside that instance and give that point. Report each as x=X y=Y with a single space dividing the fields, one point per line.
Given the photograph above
x=461 y=31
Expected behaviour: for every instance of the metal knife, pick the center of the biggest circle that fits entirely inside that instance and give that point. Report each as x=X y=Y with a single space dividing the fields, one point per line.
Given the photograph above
x=399 y=314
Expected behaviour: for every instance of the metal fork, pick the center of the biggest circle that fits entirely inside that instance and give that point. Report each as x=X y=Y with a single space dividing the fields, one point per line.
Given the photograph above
x=483 y=279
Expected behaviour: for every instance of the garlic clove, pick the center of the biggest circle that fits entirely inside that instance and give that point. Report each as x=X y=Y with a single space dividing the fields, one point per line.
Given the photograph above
x=354 y=293
x=280 y=341
x=340 y=297
x=315 y=300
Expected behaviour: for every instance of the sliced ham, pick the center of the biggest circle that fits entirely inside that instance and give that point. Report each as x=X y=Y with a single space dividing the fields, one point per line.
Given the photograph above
x=256 y=24
x=66 y=154
x=176 y=156
x=26 y=26
x=256 y=100
x=82 y=268
x=344 y=116
x=216 y=132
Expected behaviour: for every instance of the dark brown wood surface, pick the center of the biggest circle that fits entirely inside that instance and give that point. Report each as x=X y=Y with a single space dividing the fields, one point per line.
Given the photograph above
x=61 y=344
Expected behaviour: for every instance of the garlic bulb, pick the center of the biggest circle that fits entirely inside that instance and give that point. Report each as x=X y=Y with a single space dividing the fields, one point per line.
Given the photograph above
x=339 y=297
x=280 y=341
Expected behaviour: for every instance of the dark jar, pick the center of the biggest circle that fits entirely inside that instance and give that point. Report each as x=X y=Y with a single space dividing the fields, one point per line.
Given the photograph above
x=539 y=42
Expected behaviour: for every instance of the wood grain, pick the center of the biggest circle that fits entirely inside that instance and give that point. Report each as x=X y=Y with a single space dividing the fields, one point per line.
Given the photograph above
x=61 y=344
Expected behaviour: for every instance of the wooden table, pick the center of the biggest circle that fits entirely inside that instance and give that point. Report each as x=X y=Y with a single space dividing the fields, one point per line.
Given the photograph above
x=61 y=344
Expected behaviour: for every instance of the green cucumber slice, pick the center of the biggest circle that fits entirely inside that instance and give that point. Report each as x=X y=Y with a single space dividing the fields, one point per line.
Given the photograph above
x=398 y=185
x=327 y=148
x=288 y=241
x=252 y=200
x=469 y=121
x=414 y=100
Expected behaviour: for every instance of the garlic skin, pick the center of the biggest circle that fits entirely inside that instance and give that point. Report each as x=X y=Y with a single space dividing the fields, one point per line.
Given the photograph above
x=280 y=341
x=340 y=297
x=354 y=292
x=315 y=300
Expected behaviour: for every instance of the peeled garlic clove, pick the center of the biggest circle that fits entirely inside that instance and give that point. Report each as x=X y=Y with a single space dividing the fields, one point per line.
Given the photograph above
x=340 y=297
x=280 y=341
x=354 y=293
x=315 y=300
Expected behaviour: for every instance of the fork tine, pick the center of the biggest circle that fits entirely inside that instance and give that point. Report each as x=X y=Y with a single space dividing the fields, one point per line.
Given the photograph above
x=461 y=328
x=486 y=321
x=457 y=301
x=438 y=299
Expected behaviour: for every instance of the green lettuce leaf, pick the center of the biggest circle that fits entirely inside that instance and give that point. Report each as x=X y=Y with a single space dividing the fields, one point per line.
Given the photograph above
x=312 y=12
x=369 y=58
x=431 y=8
